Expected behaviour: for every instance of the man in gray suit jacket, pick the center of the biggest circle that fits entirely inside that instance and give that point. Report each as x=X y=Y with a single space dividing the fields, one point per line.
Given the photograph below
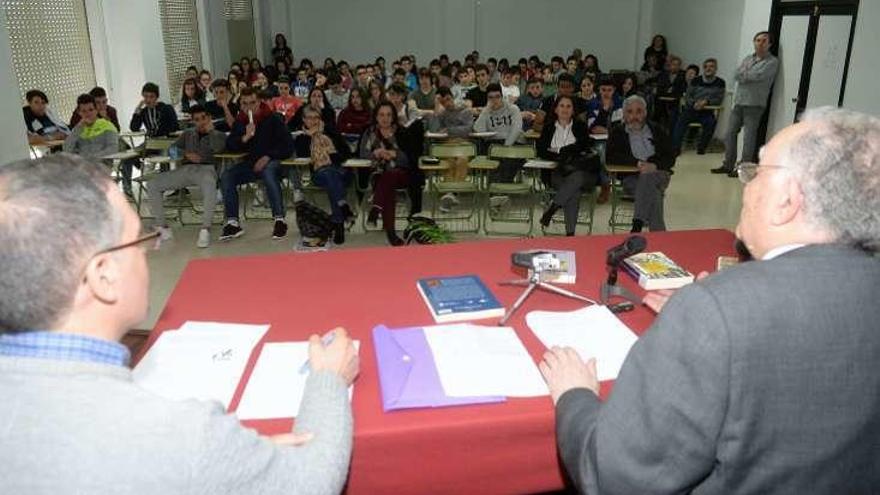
x=762 y=378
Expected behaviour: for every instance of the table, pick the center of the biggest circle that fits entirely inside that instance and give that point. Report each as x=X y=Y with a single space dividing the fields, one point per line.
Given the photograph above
x=496 y=448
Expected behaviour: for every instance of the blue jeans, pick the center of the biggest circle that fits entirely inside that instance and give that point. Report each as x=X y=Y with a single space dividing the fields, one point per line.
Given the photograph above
x=706 y=118
x=334 y=180
x=243 y=173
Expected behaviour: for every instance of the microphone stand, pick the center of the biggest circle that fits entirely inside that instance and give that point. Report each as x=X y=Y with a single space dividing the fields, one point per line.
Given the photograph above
x=610 y=289
x=533 y=282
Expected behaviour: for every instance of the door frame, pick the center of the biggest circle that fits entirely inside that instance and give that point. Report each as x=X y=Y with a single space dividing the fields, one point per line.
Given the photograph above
x=815 y=9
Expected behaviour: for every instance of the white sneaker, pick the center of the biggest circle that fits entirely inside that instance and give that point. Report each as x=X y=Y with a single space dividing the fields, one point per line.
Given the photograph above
x=450 y=197
x=498 y=201
x=165 y=233
x=204 y=238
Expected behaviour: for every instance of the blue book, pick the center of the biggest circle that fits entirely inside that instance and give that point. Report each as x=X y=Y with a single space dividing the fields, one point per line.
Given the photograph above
x=459 y=298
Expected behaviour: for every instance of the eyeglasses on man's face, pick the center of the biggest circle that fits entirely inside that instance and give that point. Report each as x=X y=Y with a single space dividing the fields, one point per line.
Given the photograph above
x=747 y=171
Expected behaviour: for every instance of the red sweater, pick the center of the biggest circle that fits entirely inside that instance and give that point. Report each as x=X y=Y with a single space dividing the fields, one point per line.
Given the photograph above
x=351 y=121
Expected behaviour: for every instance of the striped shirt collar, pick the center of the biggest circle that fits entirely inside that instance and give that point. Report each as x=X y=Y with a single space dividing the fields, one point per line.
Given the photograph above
x=63 y=347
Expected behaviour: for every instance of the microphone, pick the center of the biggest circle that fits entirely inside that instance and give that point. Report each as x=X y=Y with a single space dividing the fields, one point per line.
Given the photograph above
x=633 y=244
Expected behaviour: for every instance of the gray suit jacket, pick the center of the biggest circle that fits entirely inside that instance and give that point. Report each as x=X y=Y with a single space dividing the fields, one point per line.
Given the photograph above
x=764 y=378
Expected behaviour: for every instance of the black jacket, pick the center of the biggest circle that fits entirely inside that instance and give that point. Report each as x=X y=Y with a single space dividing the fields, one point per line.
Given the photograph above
x=219 y=116
x=674 y=88
x=618 y=151
x=271 y=139
x=583 y=141
x=158 y=122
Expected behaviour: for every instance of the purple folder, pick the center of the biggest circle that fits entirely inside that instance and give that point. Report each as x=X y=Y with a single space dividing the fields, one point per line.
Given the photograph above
x=407 y=372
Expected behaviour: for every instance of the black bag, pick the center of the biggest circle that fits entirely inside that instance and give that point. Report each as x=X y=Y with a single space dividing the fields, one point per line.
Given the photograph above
x=313 y=222
x=585 y=161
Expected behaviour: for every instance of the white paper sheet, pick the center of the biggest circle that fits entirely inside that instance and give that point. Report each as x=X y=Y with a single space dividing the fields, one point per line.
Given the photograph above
x=275 y=388
x=475 y=360
x=202 y=360
x=593 y=331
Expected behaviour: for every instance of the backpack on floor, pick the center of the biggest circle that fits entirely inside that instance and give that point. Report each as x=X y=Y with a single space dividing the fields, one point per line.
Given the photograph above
x=313 y=222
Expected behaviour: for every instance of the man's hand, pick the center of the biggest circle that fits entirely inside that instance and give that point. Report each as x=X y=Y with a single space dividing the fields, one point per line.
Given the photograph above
x=339 y=357
x=657 y=299
x=528 y=115
x=564 y=370
x=647 y=167
x=103 y=114
x=292 y=439
x=260 y=164
x=599 y=130
x=249 y=132
x=700 y=104
x=193 y=157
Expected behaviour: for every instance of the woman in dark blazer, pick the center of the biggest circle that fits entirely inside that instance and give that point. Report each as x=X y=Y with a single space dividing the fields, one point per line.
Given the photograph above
x=567 y=142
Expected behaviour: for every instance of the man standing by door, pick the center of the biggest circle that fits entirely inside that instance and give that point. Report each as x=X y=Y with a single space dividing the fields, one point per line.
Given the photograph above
x=755 y=76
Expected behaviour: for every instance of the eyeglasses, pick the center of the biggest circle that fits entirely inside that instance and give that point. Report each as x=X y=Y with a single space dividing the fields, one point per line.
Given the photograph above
x=747 y=171
x=151 y=241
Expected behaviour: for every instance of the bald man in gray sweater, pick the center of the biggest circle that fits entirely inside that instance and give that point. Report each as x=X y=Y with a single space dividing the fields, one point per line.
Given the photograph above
x=71 y=420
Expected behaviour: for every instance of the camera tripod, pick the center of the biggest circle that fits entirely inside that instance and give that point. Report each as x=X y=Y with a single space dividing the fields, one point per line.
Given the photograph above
x=533 y=282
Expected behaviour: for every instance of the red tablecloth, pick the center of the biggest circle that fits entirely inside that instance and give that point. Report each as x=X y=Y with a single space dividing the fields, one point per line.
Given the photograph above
x=500 y=448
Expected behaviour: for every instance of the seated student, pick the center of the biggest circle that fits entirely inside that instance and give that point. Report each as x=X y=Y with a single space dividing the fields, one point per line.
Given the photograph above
x=105 y=111
x=605 y=109
x=327 y=151
x=261 y=84
x=453 y=119
x=345 y=75
x=565 y=140
x=259 y=132
x=356 y=117
x=384 y=144
x=407 y=64
x=707 y=89
x=591 y=66
x=504 y=119
x=80 y=283
x=629 y=86
x=42 y=124
x=565 y=87
x=602 y=112
x=691 y=72
x=588 y=90
x=557 y=67
x=222 y=109
x=424 y=99
x=635 y=141
x=377 y=94
x=191 y=95
x=444 y=78
x=509 y=86
x=197 y=146
x=318 y=100
x=396 y=95
x=670 y=84
x=282 y=69
x=530 y=103
x=158 y=119
x=92 y=137
x=362 y=77
x=337 y=95
x=285 y=103
x=235 y=85
x=302 y=86
x=465 y=82
x=397 y=76
x=574 y=69
x=549 y=81
x=476 y=98
x=205 y=80
x=492 y=70
x=192 y=72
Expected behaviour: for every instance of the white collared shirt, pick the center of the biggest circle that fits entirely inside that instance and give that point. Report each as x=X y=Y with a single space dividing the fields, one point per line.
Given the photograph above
x=780 y=250
x=562 y=137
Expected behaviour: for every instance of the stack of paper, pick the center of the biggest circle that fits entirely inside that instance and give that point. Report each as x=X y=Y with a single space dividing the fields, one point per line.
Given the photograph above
x=275 y=388
x=478 y=360
x=593 y=331
x=201 y=360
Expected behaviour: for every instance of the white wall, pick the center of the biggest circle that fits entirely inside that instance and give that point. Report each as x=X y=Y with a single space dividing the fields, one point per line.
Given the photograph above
x=13 y=140
x=360 y=30
x=698 y=30
x=130 y=53
x=864 y=65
